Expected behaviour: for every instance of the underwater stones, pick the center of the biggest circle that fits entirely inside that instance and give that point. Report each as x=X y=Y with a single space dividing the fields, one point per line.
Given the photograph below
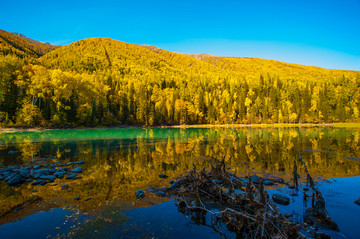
x=41 y=172
x=59 y=174
x=15 y=180
x=12 y=152
x=71 y=176
x=163 y=176
x=50 y=178
x=38 y=174
x=80 y=162
x=41 y=182
x=87 y=199
x=76 y=170
x=139 y=194
x=280 y=199
x=77 y=198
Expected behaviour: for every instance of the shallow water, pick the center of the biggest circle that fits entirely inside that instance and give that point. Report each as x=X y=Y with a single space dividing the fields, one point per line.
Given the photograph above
x=120 y=161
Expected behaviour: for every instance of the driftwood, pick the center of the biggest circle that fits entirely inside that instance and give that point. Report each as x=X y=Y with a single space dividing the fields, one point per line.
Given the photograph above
x=241 y=204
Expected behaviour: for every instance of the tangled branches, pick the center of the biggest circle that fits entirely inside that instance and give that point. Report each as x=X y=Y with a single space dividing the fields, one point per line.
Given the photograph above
x=218 y=198
x=241 y=204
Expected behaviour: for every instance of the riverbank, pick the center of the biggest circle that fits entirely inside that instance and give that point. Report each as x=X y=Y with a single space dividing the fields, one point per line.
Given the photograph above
x=337 y=125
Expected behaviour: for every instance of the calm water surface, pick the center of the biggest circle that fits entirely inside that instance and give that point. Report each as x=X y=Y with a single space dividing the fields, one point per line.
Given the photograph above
x=120 y=161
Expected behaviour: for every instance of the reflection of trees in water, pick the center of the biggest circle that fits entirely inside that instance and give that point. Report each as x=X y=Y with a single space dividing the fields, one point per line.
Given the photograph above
x=116 y=168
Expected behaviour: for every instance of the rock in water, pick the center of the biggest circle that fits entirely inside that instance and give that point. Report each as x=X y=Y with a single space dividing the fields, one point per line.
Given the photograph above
x=281 y=199
x=77 y=198
x=59 y=174
x=80 y=162
x=71 y=176
x=16 y=180
x=76 y=170
x=163 y=176
x=140 y=193
x=357 y=202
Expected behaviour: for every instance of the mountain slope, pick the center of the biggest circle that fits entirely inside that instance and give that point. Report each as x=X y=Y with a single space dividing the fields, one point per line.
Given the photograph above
x=21 y=46
x=103 y=54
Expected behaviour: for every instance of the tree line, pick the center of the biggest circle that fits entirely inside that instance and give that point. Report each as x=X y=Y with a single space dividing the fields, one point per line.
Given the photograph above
x=105 y=82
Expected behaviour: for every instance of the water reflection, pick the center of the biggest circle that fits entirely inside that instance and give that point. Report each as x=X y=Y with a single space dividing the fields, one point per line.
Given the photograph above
x=120 y=161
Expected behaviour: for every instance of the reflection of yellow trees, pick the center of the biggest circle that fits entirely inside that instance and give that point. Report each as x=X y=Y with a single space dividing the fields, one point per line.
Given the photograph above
x=137 y=163
x=29 y=149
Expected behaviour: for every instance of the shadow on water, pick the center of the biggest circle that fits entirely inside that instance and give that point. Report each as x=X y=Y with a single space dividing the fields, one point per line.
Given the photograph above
x=121 y=161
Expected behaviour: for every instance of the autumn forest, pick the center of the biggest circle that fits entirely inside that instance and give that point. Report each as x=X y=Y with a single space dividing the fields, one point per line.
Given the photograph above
x=105 y=82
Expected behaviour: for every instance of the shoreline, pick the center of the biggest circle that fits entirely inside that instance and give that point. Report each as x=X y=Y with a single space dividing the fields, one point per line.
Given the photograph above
x=277 y=125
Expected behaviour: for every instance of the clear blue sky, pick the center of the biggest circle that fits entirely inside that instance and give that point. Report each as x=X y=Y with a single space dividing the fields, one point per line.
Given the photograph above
x=323 y=33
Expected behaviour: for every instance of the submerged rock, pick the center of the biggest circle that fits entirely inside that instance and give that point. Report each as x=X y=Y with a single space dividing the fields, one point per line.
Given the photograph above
x=163 y=176
x=77 y=198
x=41 y=182
x=71 y=176
x=87 y=199
x=12 y=152
x=280 y=199
x=80 y=162
x=41 y=172
x=51 y=178
x=357 y=202
x=15 y=180
x=59 y=174
x=140 y=193
x=76 y=170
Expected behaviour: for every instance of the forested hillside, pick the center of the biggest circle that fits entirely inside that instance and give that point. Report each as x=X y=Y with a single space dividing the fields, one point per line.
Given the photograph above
x=101 y=81
x=21 y=46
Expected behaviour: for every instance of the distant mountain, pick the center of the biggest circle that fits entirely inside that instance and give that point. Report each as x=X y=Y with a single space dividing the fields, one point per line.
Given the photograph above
x=22 y=46
x=31 y=40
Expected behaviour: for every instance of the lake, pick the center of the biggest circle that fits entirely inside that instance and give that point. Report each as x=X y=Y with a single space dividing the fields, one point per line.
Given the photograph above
x=119 y=161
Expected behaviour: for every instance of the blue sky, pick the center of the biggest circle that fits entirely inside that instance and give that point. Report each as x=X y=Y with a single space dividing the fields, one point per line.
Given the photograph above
x=317 y=32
